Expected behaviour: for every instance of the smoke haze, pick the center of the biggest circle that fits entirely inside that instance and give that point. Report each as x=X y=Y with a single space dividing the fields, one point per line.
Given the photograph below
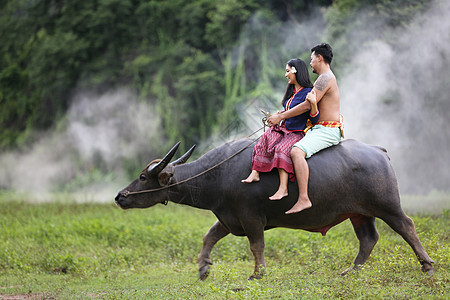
x=396 y=95
x=98 y=136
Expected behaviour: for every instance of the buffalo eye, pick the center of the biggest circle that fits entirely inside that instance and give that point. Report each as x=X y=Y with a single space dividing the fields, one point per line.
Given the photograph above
x=142 y=177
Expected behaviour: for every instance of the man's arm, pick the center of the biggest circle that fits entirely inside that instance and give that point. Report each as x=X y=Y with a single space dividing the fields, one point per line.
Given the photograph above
x=321 y=86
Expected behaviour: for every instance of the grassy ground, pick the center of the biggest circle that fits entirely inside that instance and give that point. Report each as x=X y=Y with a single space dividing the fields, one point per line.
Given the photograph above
x=97 y=251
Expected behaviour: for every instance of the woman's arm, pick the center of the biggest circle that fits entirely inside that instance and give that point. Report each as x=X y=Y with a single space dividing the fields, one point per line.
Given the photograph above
x=295 y=111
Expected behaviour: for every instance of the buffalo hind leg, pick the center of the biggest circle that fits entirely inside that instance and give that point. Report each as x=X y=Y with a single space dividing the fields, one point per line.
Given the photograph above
x=404 y=225
x=255 y=235
x=367 y=234
x=214 y=234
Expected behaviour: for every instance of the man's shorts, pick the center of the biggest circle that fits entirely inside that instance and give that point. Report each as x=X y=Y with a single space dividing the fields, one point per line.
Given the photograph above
x=317 y=138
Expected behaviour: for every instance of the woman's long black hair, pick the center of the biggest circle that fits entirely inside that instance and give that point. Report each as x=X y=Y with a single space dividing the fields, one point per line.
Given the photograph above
x=302 y=77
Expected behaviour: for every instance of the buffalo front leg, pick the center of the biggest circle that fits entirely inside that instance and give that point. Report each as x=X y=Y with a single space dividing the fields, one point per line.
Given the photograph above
x=404 y=226
x=367 y=235
x=214 y=234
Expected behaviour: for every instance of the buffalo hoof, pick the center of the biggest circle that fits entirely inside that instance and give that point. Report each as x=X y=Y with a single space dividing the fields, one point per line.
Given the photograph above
x=258 y=274
x=343 y=273
x=254 y=276
x=203 y=269
x=203 y=273
x=428 y=269
x=353 y=268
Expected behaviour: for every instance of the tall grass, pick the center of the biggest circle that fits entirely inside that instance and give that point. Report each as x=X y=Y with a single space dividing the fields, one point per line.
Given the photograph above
x=81 y=251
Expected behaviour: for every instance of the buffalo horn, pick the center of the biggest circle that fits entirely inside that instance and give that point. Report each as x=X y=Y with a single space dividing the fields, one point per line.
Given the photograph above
x=184 y=158
x=164 y=162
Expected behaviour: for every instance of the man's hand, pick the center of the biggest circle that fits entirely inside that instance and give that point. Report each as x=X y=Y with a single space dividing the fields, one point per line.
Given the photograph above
x=274 y=119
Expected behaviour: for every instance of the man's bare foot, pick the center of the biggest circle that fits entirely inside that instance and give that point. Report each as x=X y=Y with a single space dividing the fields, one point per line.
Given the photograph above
x=302 y=203
x=280 y=194
x=253 y=177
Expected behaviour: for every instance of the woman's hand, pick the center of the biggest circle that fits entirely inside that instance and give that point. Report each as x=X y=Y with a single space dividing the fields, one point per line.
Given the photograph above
x=274 y=119
x=311 y=97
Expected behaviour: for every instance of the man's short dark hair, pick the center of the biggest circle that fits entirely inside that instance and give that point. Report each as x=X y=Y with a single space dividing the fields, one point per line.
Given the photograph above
x=324 y=50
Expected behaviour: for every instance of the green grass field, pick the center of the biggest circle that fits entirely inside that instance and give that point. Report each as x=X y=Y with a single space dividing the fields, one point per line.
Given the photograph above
x=98 y=251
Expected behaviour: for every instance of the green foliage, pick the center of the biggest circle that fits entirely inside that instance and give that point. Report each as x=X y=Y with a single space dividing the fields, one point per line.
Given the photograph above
x=166 y=49
x=196 y=85
x=64 y=250
x=197 y=61
x=226 y=20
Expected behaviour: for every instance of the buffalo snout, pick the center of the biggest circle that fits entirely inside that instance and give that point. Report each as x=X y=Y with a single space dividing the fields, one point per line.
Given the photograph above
x=121 y=200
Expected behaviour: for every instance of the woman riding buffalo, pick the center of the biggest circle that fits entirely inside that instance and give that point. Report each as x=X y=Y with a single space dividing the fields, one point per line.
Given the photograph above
x=274 y=147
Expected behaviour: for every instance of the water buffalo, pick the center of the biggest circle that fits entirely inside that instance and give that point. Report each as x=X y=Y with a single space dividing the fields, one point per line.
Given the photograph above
x=351 y=180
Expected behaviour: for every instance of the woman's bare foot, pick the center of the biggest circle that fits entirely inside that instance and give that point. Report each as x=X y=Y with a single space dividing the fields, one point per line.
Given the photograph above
x=301 y=204
x=253 y=177
x=280 y=194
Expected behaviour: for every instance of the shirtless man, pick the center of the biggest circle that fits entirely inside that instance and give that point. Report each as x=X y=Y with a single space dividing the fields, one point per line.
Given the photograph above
x=325 y=133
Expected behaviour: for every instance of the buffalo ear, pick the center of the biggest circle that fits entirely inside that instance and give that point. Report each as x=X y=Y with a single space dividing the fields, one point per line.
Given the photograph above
x=164 y=176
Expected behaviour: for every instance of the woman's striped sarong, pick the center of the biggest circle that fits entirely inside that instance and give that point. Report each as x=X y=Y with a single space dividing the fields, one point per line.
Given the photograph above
x=273 y=150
